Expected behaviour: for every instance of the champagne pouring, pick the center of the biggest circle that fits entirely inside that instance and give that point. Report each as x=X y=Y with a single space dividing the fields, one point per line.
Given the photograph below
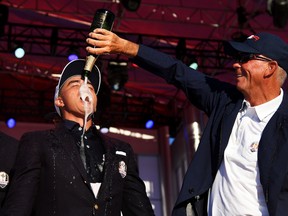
x=102 y=19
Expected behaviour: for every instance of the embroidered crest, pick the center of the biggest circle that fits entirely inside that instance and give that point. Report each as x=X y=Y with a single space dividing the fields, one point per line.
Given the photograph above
x=122 y=169
x=4 y=179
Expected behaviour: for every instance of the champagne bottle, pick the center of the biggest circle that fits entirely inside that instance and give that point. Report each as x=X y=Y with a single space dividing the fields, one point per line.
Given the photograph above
x=102 y=19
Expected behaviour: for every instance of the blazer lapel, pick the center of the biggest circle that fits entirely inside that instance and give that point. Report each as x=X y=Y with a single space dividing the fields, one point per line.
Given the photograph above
x=108 y=168
x=69 y=145
x=268 y=145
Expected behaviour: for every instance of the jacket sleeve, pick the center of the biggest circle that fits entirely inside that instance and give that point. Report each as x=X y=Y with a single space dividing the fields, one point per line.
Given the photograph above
x=135 y=199
x=25 y=178
x=202 y=91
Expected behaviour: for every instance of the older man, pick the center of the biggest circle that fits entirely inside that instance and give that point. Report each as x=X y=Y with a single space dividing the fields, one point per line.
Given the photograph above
x=241 y=165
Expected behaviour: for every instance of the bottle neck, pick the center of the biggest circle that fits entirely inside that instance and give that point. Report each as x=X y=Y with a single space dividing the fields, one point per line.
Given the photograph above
x=90 y=62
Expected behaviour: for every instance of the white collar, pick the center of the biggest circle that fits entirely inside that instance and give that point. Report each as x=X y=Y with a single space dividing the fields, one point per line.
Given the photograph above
x=265 y=109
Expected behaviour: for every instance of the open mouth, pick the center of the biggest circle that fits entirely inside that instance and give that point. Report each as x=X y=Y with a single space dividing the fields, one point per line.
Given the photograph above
x=86 y=99
x=87 y=105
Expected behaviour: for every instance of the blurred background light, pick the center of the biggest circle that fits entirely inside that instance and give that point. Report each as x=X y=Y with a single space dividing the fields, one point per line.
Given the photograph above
x=73 y=53
x=194 y=65
x=72 y=57
x=149 y=124
x=19 y=51
x=11 y=122
x=104 y=129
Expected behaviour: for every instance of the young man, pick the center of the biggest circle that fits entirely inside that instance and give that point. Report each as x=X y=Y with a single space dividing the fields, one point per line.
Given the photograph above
x=241 y=166
x=68 y=172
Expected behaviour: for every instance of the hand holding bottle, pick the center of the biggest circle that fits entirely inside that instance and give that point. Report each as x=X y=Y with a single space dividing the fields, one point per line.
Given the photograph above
x=102 y=19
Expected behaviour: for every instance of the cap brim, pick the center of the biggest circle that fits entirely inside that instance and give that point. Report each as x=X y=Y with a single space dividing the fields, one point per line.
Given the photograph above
x=76 y=68
x=233 y=48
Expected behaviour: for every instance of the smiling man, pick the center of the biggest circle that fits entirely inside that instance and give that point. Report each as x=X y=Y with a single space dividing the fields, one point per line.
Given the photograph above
x=73 y=170
x=241 y=165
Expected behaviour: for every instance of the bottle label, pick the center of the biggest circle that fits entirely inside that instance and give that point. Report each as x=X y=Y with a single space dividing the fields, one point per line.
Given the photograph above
x=90 y=62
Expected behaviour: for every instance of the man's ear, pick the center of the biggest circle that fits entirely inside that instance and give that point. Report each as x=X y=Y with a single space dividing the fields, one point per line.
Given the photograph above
x=59 y=102
x=272 y=66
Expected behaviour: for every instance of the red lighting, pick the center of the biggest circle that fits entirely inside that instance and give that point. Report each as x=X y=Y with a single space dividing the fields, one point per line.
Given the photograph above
x=135 y=65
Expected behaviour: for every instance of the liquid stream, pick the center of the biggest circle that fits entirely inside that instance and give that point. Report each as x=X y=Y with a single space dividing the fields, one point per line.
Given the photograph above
x=86 y=97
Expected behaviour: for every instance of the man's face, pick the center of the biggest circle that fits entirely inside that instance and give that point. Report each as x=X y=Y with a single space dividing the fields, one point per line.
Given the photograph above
x=250 y=74
x=73 y=105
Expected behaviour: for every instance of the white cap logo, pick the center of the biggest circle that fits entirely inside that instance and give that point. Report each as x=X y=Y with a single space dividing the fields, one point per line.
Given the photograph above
x=254 y=37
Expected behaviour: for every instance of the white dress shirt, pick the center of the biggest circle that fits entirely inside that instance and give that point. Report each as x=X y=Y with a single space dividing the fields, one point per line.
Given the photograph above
x=237 y=189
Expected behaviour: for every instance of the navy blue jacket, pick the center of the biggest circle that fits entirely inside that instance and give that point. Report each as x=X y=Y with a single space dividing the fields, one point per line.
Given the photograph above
x=51 y=179
x=221 y=102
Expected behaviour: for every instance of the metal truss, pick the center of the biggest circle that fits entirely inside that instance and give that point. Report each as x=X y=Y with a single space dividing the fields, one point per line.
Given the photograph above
x=39 y=41
x=215 y=19
x=52 y=43
x=223 y=21
x=30 y=99
x=130 y=108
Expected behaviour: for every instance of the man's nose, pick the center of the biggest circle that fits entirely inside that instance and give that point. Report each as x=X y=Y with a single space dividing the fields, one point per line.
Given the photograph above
x=236 y=65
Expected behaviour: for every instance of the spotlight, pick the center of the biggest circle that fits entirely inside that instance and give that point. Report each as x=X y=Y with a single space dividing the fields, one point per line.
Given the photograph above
x=131 y=5
x=104 y=129
x=19 y=51
x=117 y=74
x=149 y=124
x=73 y=53
x=11 y=122
x=72 y=56
x=171 y=140
x=192 y=63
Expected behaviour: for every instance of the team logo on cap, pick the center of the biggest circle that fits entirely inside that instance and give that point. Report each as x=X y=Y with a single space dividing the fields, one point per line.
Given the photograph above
x=254 y=37
x=4 y=179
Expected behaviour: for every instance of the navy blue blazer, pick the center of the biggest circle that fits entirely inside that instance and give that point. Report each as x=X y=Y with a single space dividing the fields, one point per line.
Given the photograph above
x=50 y=179
x=221 y=102
x=8 y=151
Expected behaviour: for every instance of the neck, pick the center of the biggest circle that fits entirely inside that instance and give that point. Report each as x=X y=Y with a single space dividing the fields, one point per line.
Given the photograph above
x=261 y=96
x=80 y=121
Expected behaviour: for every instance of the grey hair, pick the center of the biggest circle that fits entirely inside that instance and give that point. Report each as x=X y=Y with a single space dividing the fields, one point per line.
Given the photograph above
x=282 y=75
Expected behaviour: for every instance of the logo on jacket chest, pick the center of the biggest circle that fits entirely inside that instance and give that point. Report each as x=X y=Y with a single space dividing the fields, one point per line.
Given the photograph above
x=122 y=169
x=4 y=179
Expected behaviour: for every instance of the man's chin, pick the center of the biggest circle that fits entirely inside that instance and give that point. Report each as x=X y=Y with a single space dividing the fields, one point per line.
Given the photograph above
x=240 y=87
